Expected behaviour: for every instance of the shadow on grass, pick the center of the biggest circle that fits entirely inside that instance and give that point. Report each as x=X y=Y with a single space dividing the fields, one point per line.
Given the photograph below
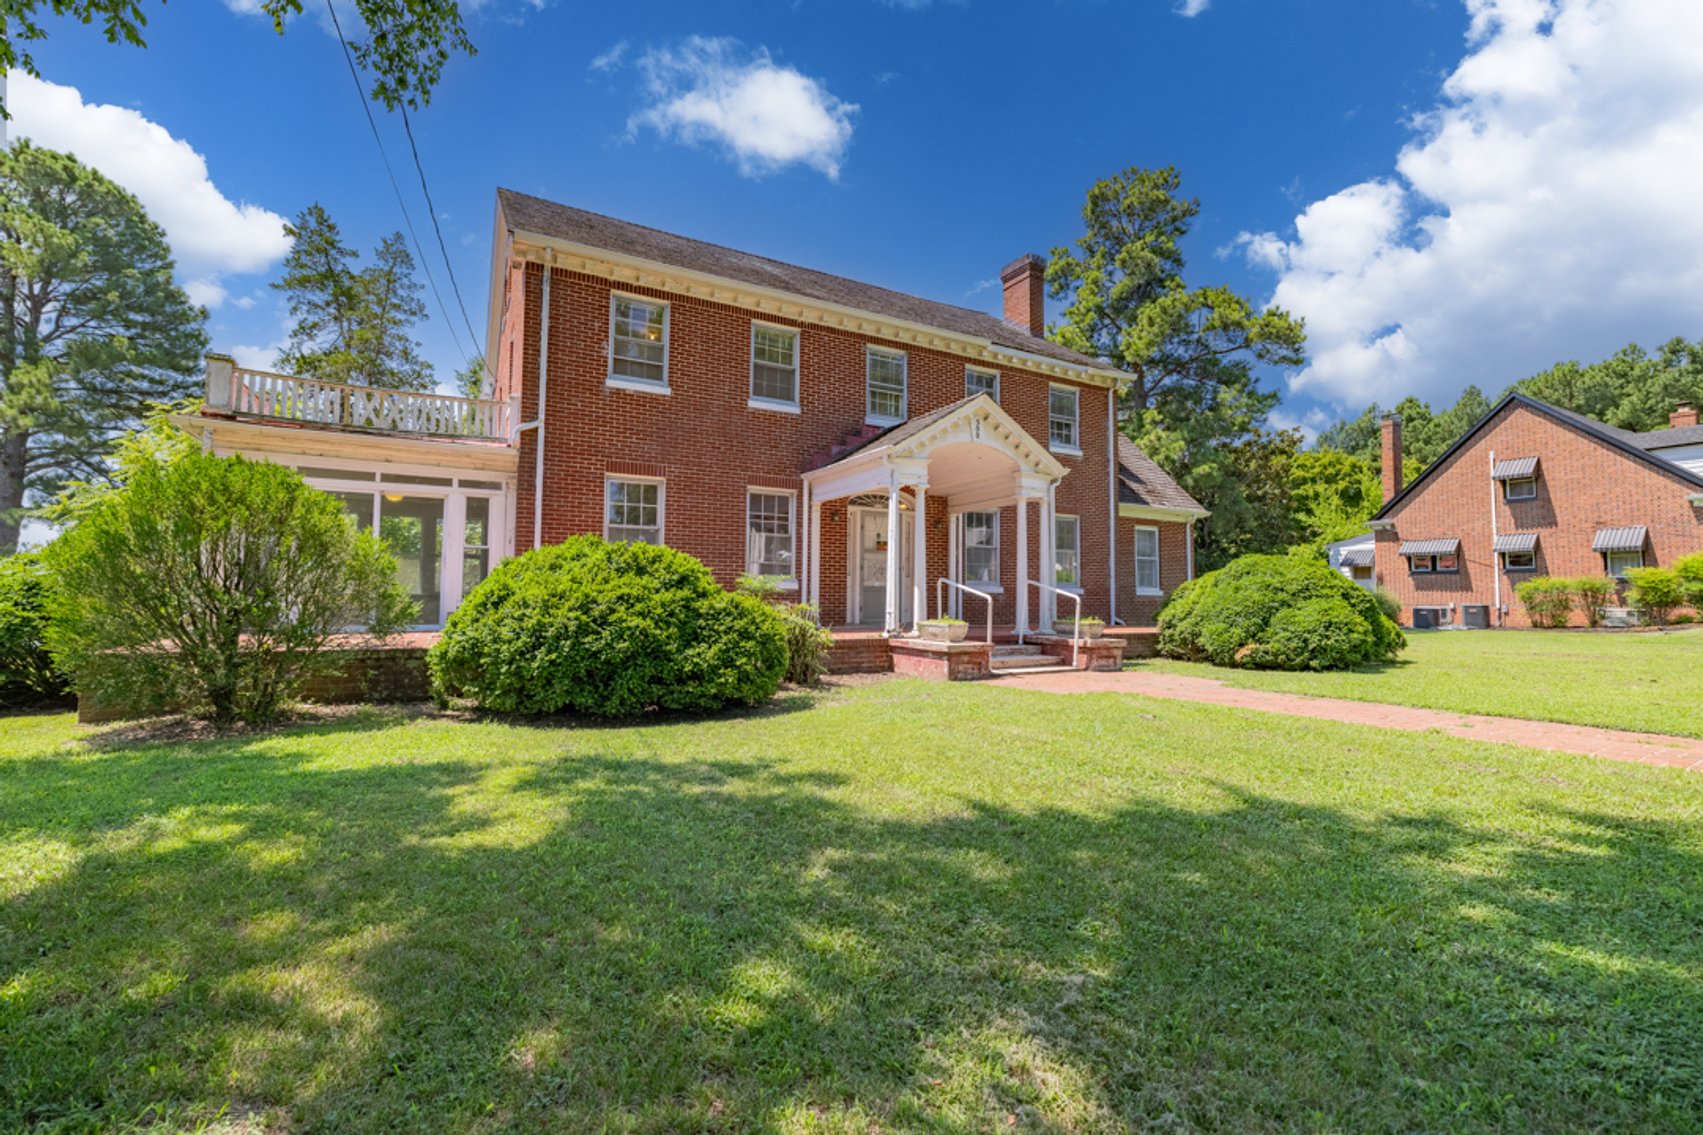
x=583 y=941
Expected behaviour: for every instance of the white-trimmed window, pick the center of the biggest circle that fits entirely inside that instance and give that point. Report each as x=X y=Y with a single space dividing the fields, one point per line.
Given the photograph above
x=1146 y=560
x=774 y=365
x=884 y=373
x=980 y=381
x=638 y=341
x=1067 y=551
x=768 y=533
x=981 y=549
x=1063 y=419
x=1519 y=489
x=1619 y=563
x=632 y=511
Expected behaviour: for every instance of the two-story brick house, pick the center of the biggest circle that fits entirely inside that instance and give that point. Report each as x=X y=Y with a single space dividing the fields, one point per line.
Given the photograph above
x=769 y=419
x=1533 y=490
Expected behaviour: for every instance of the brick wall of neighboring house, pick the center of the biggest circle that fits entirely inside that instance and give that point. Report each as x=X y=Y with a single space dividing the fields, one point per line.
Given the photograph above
x=710 y=447
x=1141 y=610
x=1583 y=484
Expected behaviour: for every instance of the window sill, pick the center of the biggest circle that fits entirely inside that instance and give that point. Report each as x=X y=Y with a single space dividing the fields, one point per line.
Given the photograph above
x=872 y=420
x=1149 y=592
x=783 y=585
x=1065 y=450
x=1069 y=588
x=768 y=404
x=986 y=588
x=636 y=385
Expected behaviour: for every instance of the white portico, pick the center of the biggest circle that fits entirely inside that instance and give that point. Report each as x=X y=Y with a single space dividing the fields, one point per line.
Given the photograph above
x=968 y=458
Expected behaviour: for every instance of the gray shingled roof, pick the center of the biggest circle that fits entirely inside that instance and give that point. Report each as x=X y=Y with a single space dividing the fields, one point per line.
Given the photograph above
x=1515 y=542
x=564 y=222
x=1665 y=439
x=1142 y=482
x=1628 y=539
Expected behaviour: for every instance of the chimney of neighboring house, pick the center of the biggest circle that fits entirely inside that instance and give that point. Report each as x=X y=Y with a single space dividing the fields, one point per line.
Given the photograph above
x=1025 y=293
x=1684 y=414
x=1390 y=428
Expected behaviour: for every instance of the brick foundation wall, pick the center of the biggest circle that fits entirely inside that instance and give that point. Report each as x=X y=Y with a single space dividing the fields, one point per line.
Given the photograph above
x=1583 y=484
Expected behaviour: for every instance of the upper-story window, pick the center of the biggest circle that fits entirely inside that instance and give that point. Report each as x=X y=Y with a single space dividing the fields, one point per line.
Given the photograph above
x=979 y=381
x=774 y=365
x=638 y=342
x=1063 y=420
x=1519 y=489
x=885 y=385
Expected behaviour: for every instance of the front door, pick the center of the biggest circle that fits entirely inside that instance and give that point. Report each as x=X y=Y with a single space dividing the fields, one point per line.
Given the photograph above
x=869 y=567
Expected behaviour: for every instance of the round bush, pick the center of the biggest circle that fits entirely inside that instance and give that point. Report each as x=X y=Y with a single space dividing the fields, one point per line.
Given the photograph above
x=608 y=630
x=1230 y=617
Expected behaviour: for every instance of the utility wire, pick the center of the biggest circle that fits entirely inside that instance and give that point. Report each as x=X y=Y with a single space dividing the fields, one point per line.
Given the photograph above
x=432 y=212
x=361 y=93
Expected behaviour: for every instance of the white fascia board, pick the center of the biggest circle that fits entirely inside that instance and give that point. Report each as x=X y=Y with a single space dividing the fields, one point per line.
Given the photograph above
x=1150 y=512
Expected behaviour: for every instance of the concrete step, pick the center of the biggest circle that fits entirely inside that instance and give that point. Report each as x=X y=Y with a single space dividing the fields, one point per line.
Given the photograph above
x=1019 y=671
x=1007 y=658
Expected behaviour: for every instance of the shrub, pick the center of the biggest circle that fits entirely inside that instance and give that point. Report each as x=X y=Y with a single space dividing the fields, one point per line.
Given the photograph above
x=1690 y=572
x=211 y=584
x=1592 y=594
x=1656 y=592
x=608 y=630
x=1230 y=617
x=1548 y=600
x=807 y=643
x=1387 y=603
x=27 y=673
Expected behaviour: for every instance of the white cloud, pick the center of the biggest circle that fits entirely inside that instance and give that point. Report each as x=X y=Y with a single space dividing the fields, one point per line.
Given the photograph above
x=767 y=116
x=258 y=358
x=1546 y=209
x=1189 y=8
x=211 y=236
x=611 y=59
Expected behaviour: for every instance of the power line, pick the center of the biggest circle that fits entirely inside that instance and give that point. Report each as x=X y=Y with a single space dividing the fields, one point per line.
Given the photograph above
x=432 y=212
x=361 y=93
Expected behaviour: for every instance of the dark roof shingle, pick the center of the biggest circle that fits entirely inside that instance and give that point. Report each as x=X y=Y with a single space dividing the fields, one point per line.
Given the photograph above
x=1142 y=482
x=564 y=222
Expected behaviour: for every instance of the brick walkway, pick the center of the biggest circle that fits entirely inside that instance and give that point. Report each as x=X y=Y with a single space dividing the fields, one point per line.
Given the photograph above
x=1612 y=744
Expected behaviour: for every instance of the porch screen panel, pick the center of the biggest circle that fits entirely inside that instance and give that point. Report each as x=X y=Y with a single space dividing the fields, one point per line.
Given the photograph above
x=768 y=534
x=634 y=512
x=358 y=507
x=1147 y=559
x=981 y=548
x=413 y=527
x=1067 y=561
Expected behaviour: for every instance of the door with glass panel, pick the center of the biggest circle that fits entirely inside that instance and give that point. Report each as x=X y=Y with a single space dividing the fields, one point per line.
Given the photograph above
x=413 y=527
x=869 y=567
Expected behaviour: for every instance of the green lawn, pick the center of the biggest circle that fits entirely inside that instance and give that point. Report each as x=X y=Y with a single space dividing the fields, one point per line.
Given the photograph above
x=898 y=907
x=1648 y=682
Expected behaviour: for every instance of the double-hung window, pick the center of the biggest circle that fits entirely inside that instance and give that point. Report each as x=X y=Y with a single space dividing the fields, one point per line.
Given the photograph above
x=1067 y=549
x=638 y=342
x=1146 y=560
x=1063 y=421
x=884 y=373
x=979 y=381
x=768 y=533
x=774 y=366
x=981 y=549
x=632 y=511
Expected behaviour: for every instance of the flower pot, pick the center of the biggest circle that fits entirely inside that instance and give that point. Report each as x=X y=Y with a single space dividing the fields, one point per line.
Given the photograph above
x=1067 y=628
x=944 y=632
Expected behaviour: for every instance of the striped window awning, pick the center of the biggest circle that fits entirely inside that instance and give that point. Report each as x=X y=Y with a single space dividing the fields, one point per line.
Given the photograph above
x=1447 y=546
x=1514 y=468
x=1356 y=557
x=1620 y=539
x=1516 y=542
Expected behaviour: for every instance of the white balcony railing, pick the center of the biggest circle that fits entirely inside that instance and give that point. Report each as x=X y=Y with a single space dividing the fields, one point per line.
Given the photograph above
x=262 y=394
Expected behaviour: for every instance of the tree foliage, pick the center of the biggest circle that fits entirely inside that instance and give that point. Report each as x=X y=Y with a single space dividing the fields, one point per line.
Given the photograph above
x=404 y=49
x=1332 y=495
x=352 y=324
x=211 y=584
x=470 y=379
x=94 y=329
x=27 y=673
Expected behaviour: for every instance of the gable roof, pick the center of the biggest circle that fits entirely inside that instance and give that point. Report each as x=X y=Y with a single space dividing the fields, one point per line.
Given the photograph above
x=1668 y=438
x=577 y=226
x=1142 y=483
x=1626 y=441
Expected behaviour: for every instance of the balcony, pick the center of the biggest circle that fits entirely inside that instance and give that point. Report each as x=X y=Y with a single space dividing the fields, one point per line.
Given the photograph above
x=261 y=394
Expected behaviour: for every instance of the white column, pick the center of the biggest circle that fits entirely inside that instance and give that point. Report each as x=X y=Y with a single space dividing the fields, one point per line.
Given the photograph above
x=816 y=553
x=919 y=559
x=1022 y=563
x=801 y=541
x=1049 y=556
x=954 y=601
x=454 y=540
x=893 y=555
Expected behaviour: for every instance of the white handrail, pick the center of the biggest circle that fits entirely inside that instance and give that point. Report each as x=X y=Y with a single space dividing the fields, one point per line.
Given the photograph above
x=1076 y=628
x=264 y=394
x=940 y=600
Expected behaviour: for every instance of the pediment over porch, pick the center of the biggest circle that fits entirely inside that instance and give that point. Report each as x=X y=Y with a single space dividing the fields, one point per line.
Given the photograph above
x=971 y=451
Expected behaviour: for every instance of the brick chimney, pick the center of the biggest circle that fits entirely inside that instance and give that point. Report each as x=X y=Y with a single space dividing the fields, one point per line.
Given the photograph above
x=1025 y=293
x=1684 y=414
x=1390 y=429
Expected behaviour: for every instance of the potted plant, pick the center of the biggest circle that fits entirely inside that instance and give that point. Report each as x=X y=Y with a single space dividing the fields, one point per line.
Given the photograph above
x=1091 y=627
x=944 y=630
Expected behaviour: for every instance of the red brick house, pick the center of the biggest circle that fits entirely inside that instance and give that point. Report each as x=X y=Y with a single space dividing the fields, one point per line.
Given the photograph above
x=860 y=443
x=1533 y=490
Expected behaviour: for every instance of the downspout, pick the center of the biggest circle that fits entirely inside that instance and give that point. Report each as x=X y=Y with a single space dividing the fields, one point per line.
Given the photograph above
x=1112 y=499
x=543 y=401
x=1495 y=568
x=1188 y=545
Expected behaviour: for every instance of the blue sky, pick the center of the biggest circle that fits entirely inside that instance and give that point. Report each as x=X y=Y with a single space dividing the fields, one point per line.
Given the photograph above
x=1450 y=191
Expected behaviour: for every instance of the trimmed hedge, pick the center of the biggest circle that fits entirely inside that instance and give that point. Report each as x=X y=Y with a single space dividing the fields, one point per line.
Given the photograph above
x=1277 y=612
x=607 y=630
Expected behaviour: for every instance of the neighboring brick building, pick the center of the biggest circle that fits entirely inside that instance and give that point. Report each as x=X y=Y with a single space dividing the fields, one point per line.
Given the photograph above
x=766 y=418
x=1533 y=490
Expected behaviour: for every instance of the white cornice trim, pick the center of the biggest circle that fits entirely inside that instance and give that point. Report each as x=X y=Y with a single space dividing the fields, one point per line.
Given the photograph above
x=264 y=438
x=636 y=271
x=1154 y=512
